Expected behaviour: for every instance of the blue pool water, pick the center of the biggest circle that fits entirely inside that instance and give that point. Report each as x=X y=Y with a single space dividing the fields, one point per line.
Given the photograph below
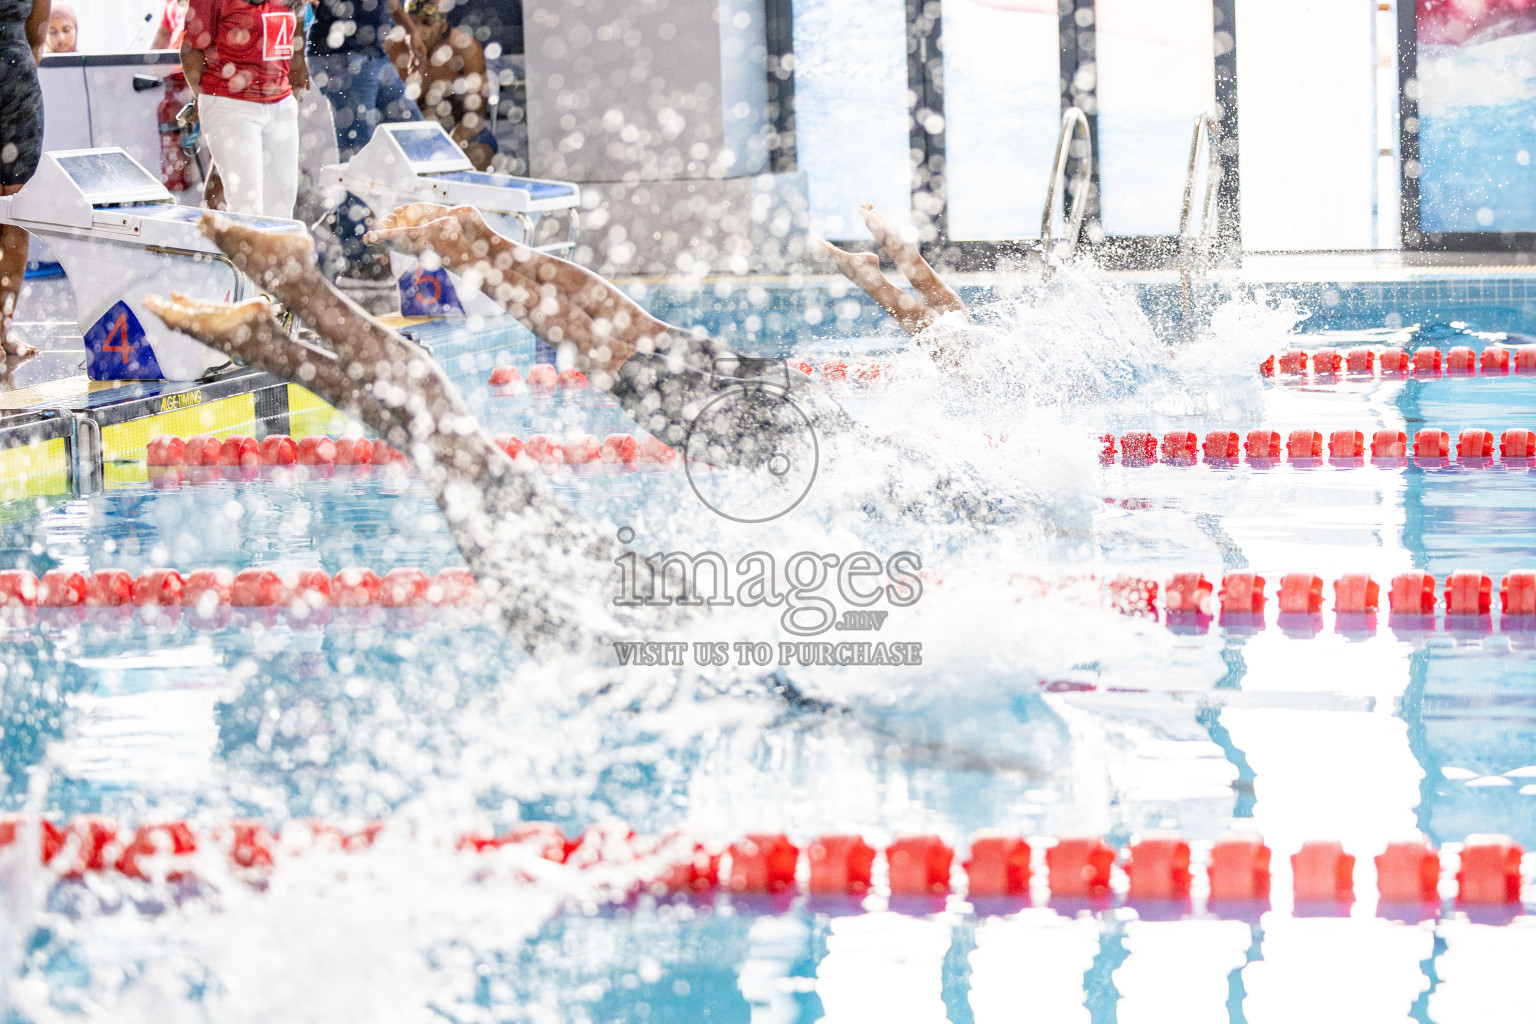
x=1359 y=731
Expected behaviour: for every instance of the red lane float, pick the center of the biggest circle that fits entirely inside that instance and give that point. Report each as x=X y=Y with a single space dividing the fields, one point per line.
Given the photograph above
x=543 y=377
x=1138 y=448
x=620 y=449
x=1468 y=593
x=1180 y=447
x=1079 y=866
x=840 y=865
x=1242 y=593
x=18 y=588
x=1490 y=871
x=1304 y=444
x=1158 y=868
x=1394 y=362
x=1517 y=593
x=1239 y=868
x=404 y=588
x=108 y=588
x=763 y=864
x=1346 y=444
x=1461 y=361
x=833 y=369
x=1412 y=593
x=1262 y=445
x=998 y=865
x=1188 y=592
x=1301 y=593
x=579 y=449
x=1389 y=444
x=543 y=449
x=1221 y=446
x=1408 y=872
x=316 y=451
x=354 y=451
x=1355 y=594
x=919 y=866
x=1323 y=872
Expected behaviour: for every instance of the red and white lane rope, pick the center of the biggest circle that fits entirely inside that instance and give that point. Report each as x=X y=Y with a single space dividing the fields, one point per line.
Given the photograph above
x=1474 y=449
x=1155 y=866
x=170 y=456
x=1467 y=594
x=1394 y=363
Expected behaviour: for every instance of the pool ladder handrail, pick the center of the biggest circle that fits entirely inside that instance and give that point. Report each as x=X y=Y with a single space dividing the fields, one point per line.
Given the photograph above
x=1197 y=243
x=1196 y=240
x=1073 y=121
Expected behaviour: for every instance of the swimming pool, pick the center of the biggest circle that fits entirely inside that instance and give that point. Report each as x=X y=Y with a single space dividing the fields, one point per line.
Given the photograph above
x=1308 y=728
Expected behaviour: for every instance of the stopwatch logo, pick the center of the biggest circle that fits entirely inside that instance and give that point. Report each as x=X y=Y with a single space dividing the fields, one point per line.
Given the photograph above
x=763 y=444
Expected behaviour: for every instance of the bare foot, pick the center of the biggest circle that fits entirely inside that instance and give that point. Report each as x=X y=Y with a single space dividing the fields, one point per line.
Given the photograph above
x=909 y=260
x=12 y=355
x=458 y=234
x=223 y=325
x=855 y=266
x=863 y=269
x=279 y=262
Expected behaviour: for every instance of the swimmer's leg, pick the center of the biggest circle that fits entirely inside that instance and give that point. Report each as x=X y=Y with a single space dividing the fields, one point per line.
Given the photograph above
x=13 y=266
x=250 y=333
x=464 y=241
x=537 y=562
x=863 y=269
x=910 y=262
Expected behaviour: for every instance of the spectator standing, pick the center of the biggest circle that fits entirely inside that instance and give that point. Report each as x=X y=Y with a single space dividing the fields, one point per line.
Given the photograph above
x=452 y=82
x=63 y=30
x=173 y=22
x=353 y=71
x=23 y=25
x=243 y=59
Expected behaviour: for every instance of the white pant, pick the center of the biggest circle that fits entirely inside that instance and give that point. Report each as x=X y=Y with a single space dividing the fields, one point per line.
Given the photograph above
x=256 y=149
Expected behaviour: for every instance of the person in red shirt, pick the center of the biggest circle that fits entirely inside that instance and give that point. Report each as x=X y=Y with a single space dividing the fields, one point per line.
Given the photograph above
x=173 y=24
x=243 y=59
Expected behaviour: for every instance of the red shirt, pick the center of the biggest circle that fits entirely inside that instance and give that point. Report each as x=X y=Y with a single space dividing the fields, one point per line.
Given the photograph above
x=248 y=46
x=173 y=21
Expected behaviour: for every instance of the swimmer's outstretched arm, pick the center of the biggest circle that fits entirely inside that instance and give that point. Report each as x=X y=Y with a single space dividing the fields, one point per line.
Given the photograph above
x=546 y=570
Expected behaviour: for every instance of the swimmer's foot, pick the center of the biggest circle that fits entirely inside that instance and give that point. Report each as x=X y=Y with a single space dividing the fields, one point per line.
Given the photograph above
x=282 y=263
x=458 y=234
x=855 y=266
x=12 y=355
x=863 y=269
x=909 y=260
x=223 y=325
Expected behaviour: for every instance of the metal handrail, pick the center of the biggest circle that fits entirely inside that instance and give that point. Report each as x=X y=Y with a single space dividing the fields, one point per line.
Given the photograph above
x=1073 y=120
x=1198 y=242
x=1195 y=240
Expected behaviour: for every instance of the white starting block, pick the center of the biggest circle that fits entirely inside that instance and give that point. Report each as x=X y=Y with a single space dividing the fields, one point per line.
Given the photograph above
x=119 y=236
x=418 y=162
